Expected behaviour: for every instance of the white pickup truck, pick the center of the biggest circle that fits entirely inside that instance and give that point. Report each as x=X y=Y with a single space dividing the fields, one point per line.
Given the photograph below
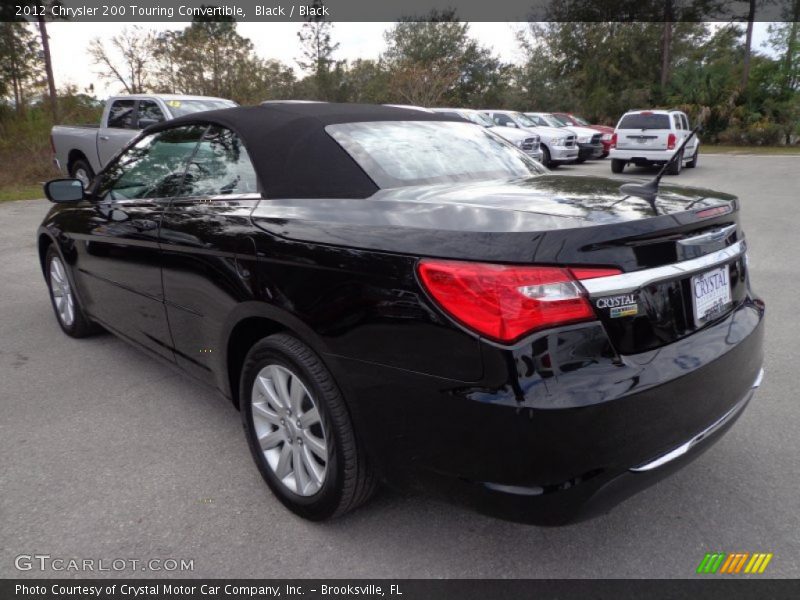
x=80 y=151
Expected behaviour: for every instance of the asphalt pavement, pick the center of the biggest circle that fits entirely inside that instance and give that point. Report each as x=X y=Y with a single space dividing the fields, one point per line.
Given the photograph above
x=107 y=454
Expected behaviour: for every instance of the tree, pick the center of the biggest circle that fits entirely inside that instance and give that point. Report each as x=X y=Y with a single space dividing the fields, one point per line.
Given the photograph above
x=19 y=61
x=437 y=61
x=316 y=52
x=136 y=48
x=47 y=5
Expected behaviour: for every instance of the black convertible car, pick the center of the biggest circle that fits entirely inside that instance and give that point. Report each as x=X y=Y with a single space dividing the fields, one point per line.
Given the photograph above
x=394 y=295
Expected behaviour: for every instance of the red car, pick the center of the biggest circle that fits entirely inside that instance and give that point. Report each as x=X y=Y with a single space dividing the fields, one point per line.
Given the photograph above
x=607 y=131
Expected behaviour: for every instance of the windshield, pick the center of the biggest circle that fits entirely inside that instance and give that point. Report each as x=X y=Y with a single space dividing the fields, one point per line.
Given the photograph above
x=478 y=118
x=581 y=121
x=552 y=121
x=644 y=121
x=405 y=153
x=524 y=120
x=180 y=108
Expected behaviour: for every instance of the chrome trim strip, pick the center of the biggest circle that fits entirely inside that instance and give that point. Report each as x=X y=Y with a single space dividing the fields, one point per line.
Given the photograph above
x=686 y=446
x=711 y=236
x=629 y=282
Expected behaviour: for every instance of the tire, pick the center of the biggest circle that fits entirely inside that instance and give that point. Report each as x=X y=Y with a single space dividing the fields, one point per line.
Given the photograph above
x=82 y=170
x=693 y=163
x=69 y=313
x=282 y=362
x=580 y=161
x=546 y=157
x=617 y=165
x=676 y=166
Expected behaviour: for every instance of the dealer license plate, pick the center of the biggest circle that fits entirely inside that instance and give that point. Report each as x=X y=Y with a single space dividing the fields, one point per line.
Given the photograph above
x=711 y=294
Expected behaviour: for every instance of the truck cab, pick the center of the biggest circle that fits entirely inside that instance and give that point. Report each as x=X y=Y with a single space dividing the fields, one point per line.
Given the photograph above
x=81 y=151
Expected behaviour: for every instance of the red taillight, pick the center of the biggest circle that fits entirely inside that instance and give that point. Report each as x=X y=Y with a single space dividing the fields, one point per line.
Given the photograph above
x=505 y=302
x=614 y=140
x=671 y=139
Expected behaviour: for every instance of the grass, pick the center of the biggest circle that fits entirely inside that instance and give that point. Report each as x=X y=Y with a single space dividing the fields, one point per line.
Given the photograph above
x=20 y=192
x=709 y=149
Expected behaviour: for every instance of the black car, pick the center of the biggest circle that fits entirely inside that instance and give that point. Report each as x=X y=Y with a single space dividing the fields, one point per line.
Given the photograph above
x=394 y=295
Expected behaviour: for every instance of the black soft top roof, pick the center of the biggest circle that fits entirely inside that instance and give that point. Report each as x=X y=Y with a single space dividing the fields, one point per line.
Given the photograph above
x=292 y=153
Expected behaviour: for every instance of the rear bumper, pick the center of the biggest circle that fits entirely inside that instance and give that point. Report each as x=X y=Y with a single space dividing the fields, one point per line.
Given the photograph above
x=635 y=154
x=560 y=427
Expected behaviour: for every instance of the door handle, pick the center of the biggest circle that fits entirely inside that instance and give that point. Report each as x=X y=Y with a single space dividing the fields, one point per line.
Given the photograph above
x=104 y=138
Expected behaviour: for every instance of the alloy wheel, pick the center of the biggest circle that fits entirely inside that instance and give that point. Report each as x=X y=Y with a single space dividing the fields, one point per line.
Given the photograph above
x=289 y=430
x=62 y=292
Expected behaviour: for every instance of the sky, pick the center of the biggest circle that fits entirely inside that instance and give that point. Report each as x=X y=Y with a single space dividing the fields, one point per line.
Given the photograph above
x=72 y=64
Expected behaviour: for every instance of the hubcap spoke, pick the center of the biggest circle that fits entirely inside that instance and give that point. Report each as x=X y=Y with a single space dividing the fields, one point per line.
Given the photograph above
x=284 y=462
x=300 y=476
x=297 y=393
x=316 y=471
x=271 y=439
x=284 y=415
x=316 y=445
x=261 y=410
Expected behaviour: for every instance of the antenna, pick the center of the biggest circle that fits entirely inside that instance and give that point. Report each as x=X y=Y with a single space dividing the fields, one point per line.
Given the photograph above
x=649 y=191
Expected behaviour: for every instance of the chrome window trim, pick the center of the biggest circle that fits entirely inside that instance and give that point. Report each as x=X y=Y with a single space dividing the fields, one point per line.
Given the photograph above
x=630 y=282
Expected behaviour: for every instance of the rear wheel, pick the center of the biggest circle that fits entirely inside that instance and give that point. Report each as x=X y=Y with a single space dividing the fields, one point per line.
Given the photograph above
x=617 y=165
x=82 y=171
x=68 y=311
x=693 y=163
x=676 y=165
x=300 y=432
x=580 y=161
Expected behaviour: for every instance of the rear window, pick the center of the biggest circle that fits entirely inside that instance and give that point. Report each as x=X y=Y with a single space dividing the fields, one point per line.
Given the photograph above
x=405 y=153
x=644 y=121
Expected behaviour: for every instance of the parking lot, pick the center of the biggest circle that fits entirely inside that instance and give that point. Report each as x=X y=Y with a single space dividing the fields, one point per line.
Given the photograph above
x=105 y=453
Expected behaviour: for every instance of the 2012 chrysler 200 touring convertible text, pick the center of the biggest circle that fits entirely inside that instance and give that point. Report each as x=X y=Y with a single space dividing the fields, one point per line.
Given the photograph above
x=389 y=294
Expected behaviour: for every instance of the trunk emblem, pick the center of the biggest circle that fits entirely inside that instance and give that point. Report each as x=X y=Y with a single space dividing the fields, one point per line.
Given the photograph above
x=624 y=305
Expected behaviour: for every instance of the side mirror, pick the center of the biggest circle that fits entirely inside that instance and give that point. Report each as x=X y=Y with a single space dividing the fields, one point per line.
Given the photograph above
x=144 y=123
x=64 y=190
x=698 y=126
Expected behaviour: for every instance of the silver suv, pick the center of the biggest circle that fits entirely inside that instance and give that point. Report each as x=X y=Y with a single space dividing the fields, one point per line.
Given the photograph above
x=559 y=146
x=651 y=137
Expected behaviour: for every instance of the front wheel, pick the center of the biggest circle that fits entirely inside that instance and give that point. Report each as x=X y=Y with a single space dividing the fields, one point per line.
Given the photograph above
x=299 y=430
x=693 y=163
x=68 y=310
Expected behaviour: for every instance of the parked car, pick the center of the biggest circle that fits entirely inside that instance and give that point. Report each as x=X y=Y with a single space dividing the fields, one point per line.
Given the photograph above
x=528 y=142
x=558 y=146
x=589 y=144
x=605 y=130
x=651 y=137
x=398 y=295
x=80 y=151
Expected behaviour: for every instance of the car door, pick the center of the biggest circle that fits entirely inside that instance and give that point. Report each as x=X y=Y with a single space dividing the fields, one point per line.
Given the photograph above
x=209 y=257
x=119 y=263
x=121 y=128
x=691 y=147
